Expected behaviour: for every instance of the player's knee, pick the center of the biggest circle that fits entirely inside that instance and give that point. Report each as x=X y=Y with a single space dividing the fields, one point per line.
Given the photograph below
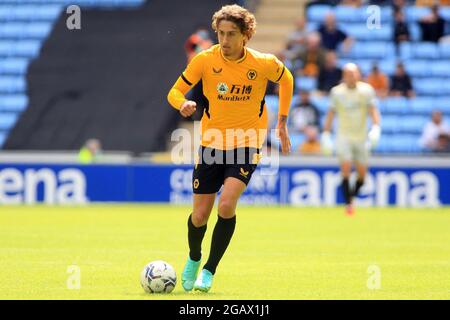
x=226 y=208
x=200 y=217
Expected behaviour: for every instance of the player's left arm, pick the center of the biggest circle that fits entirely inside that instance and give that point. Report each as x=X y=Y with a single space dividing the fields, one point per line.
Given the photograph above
x=177 y=94
x=285 y=97
x=278 y=73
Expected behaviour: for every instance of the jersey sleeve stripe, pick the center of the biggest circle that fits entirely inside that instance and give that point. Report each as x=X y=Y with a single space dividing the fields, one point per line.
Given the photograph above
x=282 y=72
x=261 y=107
x=186 y=80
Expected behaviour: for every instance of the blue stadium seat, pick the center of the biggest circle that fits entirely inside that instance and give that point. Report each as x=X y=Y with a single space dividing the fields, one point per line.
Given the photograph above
x=27 y=48
x=362 y=14
x=322 y=103
x=312 y=26
x=296 y=140
x=24 y=12
x=13 y=102
x=440 y=68
x=3 y=136
x=422 y=105
x=6 y=12
x=38 y=30
x=13 y=66
x=389 y=124
x=444 y=50
x=387 y=14
x=6 y=48
x=271 y=103
x=429 y=86
x=7 y=120
x=417 y=68
x=22 y=30
x=405 y=51
x=305 y=83
x=370 y=50
x=359 y=31
x=414 y=14
x=11 y=84
x=11 y=30
x=412 y=124
x=415 y=32
x=443 y=104
x=382 y=107
x=387 y=66
x=108 y=3
x=316 y=13
x=444 y=11
x=397 y=105
x=349 y=14
x=383 y=145
x=425 y=50
x=45 y=12
x=404 y=143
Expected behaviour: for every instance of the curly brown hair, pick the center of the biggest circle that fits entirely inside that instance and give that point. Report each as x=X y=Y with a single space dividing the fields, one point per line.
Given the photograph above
x=243 y=18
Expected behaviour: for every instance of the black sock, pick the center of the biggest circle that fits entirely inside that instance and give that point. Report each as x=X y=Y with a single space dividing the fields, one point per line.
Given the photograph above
x=223 y=231
x=358 y=185
x=195 y=238
x=346 y=190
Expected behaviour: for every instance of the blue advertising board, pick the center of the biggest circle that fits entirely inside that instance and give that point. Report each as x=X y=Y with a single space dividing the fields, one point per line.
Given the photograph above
x=305 y=185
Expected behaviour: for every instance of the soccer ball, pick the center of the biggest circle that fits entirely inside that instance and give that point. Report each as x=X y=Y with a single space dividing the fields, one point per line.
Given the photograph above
x=158 y=277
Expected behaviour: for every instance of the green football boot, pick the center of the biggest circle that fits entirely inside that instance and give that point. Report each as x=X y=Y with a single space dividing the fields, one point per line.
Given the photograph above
x=204 y=281
x=189 y=274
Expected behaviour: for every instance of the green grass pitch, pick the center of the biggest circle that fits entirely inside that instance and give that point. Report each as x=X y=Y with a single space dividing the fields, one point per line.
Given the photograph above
x=276 y=252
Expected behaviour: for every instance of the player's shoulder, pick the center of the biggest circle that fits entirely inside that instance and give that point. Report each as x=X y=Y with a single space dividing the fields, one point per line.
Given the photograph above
x=211 y=52
x=261 y=56
x=365 y=87
x=340 y=88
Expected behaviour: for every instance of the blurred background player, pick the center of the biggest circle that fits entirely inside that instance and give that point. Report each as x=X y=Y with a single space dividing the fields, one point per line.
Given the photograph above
x=90 y=152
x=352 y=101
x=311 y=145
x=379 y=81
x=435 y=134
x=234 y=81
x=197 y=42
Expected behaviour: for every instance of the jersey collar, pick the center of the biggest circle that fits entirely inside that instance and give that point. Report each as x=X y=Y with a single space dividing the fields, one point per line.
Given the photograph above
x=234 y=61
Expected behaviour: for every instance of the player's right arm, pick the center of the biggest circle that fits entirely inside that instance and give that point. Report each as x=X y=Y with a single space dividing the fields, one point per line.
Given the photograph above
x=375 y=131
x=190 y=76
x=328 y=121
x=325 y=139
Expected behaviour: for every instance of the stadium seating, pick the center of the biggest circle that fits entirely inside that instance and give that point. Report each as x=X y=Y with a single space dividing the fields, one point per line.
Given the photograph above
x=24 y=26
x=428 y=65
x=13 y=102
x=306 y=83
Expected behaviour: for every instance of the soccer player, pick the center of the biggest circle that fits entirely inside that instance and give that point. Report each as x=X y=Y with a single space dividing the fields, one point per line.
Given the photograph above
x=234 y=81
x=352 y=101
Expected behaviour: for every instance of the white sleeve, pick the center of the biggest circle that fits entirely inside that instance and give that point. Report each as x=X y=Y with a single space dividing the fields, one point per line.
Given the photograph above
x=333 y=104
x=427 y=137
x=372 y=98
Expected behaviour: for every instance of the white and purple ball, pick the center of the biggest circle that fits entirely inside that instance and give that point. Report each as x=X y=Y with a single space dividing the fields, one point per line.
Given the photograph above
x=158 y=277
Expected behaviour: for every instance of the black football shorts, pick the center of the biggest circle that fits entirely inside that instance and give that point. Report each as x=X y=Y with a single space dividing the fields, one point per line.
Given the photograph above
x=213 y=166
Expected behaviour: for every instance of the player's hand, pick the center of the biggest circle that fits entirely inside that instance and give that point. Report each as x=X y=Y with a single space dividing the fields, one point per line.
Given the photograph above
x=326 y=144
x=374 y=135
x=283 y=135
x=188 y=108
